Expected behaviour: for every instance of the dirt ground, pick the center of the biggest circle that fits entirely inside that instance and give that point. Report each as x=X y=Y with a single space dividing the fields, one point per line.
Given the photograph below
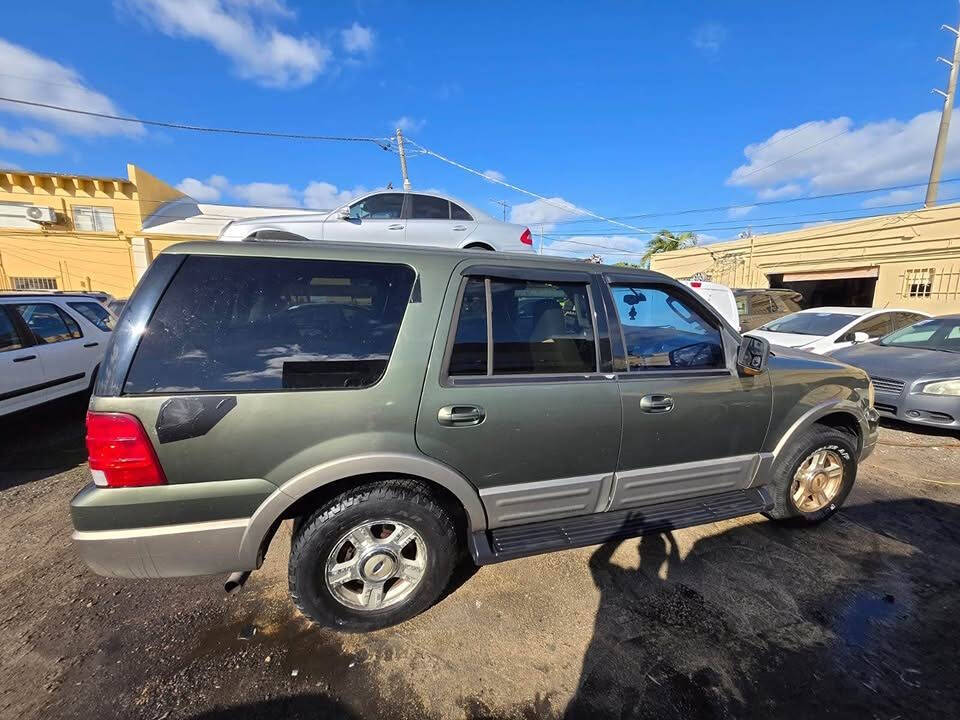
x=859 y=617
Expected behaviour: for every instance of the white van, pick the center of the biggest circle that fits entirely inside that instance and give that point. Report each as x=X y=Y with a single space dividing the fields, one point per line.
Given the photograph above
x=720 y=296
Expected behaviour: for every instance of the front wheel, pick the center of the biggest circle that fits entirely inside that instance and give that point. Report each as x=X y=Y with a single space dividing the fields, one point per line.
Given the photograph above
x=372 y=557
x=813 y=478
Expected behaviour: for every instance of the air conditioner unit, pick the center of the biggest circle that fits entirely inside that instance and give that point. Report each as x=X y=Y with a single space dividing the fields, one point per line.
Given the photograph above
x=42 y=215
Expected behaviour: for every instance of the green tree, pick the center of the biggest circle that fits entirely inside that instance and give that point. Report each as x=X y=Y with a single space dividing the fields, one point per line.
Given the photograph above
x=665 y=241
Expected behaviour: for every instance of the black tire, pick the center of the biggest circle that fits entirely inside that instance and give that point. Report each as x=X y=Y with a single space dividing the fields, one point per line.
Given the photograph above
x=815 y=438
x=405 y=500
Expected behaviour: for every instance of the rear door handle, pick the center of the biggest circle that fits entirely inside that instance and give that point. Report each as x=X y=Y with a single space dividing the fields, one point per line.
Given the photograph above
x=92 y=344
x=395 y=226
x=656 y=403
x=460 y=415
x=24 y=358
x=459 y=228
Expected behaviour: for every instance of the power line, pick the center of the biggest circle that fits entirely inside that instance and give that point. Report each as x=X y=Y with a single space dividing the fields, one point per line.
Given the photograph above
x=763 y=203
x=793 y=155
x=381 y=142
x=566 y=208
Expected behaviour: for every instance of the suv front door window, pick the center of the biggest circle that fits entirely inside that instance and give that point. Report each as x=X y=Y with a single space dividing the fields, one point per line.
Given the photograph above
x=691 y=424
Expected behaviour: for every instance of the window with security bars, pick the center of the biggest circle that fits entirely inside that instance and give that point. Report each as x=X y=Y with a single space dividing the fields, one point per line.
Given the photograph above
x=33 y=283
x=918 y=282
x=93 y=219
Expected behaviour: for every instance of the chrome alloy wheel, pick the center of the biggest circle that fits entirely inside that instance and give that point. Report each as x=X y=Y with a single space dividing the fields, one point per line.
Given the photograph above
x=376 y=564
x=817 y=481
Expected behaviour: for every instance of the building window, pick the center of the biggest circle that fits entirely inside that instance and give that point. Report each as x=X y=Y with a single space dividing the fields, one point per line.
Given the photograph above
x=93 y=219
x=33 y=283
x=918 y=282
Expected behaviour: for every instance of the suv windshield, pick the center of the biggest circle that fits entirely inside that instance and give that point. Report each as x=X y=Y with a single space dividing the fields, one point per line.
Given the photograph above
x=936 y=334
x=809 y=323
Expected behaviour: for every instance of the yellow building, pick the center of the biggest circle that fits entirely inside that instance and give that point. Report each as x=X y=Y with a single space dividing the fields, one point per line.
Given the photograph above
x=75 y=232
x=909 y=259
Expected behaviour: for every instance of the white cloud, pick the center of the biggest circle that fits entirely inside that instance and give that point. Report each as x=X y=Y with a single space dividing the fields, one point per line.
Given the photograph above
x=243 y=31
x=612 y=248
x=409 y=124
x=29 y=140
x=266 y=194
x=494 y=175
x=357 y=39
x=545 y=212
x=895 y=197
x=29 y=76
x=326 y=196
x=709 y=38
x=317 y=195
x=836 y=155
x=199 y=190
x=739 y=212
x=784 y=191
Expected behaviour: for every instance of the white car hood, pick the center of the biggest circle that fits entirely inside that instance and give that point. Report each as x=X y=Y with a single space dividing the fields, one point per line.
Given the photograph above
x=786 y=339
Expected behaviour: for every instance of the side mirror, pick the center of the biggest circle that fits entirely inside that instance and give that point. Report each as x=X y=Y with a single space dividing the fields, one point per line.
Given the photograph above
x=861 y=337
x=343 y=213
x=753 y=355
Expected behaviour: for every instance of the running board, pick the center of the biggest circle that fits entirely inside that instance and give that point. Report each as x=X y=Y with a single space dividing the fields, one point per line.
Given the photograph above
x=515 y=542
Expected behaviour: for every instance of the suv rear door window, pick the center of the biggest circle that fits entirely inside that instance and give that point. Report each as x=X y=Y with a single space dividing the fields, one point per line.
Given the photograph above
x=538 y=328
x=231 y=324
x=49 y=323
x=663 y=331
x=96 y=313
x=9 y=337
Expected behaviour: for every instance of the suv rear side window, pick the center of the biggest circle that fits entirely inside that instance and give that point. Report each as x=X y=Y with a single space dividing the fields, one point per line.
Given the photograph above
x=9 y=337
x=662 y=331
x=538 y=328
x=96 y=313
x=234 y=324
x=49 y=323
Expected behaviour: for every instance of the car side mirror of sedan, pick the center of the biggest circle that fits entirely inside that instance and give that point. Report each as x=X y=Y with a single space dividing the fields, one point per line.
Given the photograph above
x=861 y=337
x=753 y=355
x=343 y=213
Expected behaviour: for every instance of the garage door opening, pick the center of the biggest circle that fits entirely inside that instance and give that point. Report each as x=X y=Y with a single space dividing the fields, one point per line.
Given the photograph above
x=846 y=288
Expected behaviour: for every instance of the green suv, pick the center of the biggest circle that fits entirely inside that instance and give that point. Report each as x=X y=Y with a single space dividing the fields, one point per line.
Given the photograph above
x=408 y=407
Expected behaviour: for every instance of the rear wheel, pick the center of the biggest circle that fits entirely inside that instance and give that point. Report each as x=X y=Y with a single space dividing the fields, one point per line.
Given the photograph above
x=813 y=478
x=372 y=557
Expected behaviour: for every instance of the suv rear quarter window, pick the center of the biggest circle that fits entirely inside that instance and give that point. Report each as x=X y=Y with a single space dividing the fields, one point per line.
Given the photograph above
x=233 y=324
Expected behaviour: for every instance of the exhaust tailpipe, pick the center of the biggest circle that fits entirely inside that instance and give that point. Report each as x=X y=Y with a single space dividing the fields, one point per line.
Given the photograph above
x=236 y=580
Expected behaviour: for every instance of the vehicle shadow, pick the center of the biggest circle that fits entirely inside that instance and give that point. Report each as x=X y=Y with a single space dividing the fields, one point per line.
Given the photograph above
x=42 y=441
x=312 y=706
x=919 y=430
x=749 y=623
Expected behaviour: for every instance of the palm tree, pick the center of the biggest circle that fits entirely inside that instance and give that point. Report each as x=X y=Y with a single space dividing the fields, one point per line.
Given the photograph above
x=665 y=241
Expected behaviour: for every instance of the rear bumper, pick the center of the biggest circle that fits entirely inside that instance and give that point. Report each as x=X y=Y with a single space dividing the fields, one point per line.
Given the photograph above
x=203 y=548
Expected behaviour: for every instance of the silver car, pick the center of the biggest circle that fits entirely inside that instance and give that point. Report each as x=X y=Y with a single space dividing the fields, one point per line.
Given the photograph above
x=389 y=216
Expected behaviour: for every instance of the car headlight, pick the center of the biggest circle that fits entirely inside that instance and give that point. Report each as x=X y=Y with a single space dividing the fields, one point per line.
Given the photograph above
x=942 y=387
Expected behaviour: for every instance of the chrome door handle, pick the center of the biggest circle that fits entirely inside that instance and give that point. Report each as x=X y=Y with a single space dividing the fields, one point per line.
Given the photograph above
x=395 y=226
x=656 y=403
x=460 y=415
x=459 y=228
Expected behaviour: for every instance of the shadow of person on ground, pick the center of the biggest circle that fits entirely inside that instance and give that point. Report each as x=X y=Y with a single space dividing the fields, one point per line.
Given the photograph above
x=858 y=617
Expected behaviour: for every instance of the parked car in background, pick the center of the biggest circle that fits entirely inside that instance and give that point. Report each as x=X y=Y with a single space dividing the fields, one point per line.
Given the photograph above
x=408 y=407
x=720 y=297
x=821 y=330
x=757 y=306
x=50 y=346
x=408 y=218
x=915 y=371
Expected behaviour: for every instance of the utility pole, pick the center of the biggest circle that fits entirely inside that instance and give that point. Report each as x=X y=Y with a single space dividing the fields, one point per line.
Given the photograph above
x=504 y=204
x=403 y=161
x=940 y=150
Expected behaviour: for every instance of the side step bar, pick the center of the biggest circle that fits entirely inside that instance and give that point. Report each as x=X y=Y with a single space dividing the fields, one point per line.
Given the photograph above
x=514 y=542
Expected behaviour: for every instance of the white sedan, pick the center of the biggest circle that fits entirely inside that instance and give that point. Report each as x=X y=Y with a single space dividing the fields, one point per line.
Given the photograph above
x=821 y=330
x=392 y=217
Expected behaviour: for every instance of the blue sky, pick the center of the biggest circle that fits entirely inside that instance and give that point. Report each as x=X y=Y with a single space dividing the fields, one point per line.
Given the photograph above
x=621 y=108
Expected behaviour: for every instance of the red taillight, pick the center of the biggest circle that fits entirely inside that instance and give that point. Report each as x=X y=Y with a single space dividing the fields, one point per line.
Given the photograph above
x=696 y=284
x=527 y=237
x=121 y=454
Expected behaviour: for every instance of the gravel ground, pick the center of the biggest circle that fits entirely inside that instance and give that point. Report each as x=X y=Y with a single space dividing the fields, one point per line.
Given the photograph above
x=858 y=618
